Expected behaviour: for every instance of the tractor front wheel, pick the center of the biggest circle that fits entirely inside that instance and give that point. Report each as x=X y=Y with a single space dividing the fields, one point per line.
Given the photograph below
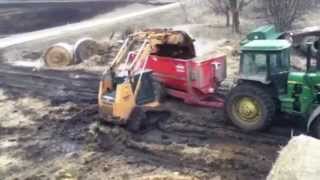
x=250 y=107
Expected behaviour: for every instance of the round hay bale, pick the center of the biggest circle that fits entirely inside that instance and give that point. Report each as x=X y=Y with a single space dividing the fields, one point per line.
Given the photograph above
x=299 y=160
x=59 y=55
x=85 y=48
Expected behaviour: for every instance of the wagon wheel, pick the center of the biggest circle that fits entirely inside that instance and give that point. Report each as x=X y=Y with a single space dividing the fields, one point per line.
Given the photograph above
x=159 y=90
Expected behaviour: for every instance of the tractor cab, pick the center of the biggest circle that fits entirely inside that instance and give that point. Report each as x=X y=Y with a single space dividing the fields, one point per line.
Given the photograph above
x=266 y=86
x=266 y=62
x=263 y=77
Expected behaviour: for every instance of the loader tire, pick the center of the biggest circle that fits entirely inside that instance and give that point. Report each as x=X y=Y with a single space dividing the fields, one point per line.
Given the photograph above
x=136 y=119
x=250 y=108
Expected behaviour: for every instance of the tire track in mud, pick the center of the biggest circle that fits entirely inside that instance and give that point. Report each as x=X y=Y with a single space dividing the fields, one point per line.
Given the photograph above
x=202 y=159
x=191 y=141
x=209 y=149
x=56 y=85
x=191 y=145
x=186 y=145
x=225 y=131
x=207 y=158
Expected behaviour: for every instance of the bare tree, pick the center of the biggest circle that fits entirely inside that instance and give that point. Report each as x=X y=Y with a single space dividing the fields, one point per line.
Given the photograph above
x=236 y=7
x=220 y=7
x=283 y=13
x=184 y=9
x=229 y=8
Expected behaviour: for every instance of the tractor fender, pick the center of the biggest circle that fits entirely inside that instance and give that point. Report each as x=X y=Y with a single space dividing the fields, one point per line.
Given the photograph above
x=315 y=113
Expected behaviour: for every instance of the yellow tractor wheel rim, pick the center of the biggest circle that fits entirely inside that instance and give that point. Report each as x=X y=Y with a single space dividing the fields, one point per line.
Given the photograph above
x=247 y=109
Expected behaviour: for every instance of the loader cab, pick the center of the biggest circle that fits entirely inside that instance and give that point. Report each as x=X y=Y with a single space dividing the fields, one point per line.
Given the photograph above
x=266 y=62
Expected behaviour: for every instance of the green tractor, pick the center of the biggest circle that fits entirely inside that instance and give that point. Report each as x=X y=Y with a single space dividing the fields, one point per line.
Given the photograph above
x=267 y=87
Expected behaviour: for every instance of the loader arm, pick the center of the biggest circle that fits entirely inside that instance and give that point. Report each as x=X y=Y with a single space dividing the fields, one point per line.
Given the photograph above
x=126 y=84
x=298 y=34
x=118 y=95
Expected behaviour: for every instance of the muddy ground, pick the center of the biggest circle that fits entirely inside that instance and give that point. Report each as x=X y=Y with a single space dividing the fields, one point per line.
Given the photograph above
x=43 y=139
x=40 y=140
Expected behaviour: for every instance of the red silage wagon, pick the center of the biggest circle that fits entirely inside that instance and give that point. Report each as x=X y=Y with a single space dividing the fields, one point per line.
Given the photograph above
x=193 y=80
x=174 y=63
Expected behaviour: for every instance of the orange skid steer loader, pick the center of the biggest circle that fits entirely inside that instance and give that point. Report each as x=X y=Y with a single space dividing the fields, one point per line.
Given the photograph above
x=127 y=91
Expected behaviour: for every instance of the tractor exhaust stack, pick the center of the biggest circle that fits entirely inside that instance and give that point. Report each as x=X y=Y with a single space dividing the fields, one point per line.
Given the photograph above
x=318 y=54
x=309 y=54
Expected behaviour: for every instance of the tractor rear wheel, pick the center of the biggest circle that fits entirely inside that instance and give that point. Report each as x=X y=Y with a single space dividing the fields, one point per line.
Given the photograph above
x=250 y=107
x=315 y=128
